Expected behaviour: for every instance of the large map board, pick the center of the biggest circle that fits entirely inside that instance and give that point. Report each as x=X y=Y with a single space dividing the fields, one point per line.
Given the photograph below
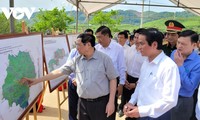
x=56 y=50
x=21 y=56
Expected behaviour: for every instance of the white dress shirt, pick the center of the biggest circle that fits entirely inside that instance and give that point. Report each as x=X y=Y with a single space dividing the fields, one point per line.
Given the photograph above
x=116 y=53
x=134 y=62
x=126 y=53
x=158 y=87
x=198 y=105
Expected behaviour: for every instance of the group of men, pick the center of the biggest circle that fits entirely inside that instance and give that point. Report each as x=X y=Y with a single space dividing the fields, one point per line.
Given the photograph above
x=155 y=81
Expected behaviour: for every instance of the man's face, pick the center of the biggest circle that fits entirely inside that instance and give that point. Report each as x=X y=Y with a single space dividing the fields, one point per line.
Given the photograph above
x=136 y=40
x=80 y=46
x=172 y=38
x=103 y=39
x=121 y=40
x=198 y=44
x=143 y=46
x=185 y=46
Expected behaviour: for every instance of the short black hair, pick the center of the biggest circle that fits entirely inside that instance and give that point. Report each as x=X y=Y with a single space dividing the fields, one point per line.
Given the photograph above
x=190 y=33
x=85 y=38
x=127 y=31
x=137 y=31
x=123 y=33
x=132 y=37
x=88 y=30
x=104 y=30
x=153 y=34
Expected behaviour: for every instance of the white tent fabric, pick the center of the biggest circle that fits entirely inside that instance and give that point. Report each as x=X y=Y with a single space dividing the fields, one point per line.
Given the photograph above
x=189 y=4
x=89 y=8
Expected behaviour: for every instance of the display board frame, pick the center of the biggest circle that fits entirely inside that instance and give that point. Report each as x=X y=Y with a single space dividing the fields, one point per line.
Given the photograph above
x=52 y=43
x=13 y=42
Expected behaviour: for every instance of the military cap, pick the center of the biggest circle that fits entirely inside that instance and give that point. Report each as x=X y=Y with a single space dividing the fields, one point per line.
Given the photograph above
x=173 y=26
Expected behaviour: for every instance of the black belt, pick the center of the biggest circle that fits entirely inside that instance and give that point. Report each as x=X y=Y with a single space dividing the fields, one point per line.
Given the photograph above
x=95 y=99
x=131 y=79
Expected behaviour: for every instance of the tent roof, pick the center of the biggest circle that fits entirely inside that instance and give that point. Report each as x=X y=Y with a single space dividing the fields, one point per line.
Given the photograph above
x=89 y=8
x=190 y=5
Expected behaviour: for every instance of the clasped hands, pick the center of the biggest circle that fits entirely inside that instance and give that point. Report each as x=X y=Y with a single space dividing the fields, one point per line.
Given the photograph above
x=129 y=86
x=131 y=111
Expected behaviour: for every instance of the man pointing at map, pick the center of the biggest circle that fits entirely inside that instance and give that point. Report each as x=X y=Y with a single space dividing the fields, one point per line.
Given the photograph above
x=96 y=87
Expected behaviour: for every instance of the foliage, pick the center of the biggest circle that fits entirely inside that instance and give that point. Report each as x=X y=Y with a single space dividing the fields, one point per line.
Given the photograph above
x=110 y=19
x=5 y=25
x=56 y=19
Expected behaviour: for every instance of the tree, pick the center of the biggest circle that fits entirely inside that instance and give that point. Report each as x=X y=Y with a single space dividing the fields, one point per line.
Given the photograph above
x=5 y=28
x=4 y=24
x=56 y=19
x=110 y=19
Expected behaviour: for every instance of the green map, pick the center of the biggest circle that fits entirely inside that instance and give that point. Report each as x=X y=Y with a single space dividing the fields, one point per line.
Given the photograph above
x=19 y=66
x=58 y=54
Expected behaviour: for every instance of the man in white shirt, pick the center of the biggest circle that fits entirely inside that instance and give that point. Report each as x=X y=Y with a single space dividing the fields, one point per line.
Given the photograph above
x=159 y=81
x=122 y=38
x=116 y=53
x=134 y=61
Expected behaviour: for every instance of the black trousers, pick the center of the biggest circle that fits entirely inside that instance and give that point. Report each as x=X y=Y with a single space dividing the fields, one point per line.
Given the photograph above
x=194 y=105
x=183 y=110
x=126 y=95
x=165 y=116
x=93 y=109
x=72 y=101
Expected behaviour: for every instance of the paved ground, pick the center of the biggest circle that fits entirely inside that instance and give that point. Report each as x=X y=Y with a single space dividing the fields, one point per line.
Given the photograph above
x=51 y=108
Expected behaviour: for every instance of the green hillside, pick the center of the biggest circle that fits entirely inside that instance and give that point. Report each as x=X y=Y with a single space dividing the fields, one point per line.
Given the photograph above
x=189 y=23
x=131 y=20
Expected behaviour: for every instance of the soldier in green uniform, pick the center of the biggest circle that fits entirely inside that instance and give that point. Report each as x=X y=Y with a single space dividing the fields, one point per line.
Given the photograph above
x=173 y=30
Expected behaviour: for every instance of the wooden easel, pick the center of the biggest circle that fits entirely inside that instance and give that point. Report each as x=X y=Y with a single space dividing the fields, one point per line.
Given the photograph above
x=34 y=112
x=59 y=99
x=24 y=27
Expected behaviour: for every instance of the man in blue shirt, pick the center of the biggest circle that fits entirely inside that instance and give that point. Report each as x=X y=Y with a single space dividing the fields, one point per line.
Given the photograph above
x=188 y=62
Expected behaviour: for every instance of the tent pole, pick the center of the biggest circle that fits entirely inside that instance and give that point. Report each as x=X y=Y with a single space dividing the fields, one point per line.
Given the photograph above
x=12 y=21
x=77 y=6
x=141 y=20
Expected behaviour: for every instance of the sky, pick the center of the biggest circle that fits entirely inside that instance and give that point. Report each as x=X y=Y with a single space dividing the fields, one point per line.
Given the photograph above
x=50 y=4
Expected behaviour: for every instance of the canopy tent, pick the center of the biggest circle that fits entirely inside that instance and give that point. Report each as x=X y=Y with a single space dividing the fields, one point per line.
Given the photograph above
x=91 y=6
x=190 y=5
